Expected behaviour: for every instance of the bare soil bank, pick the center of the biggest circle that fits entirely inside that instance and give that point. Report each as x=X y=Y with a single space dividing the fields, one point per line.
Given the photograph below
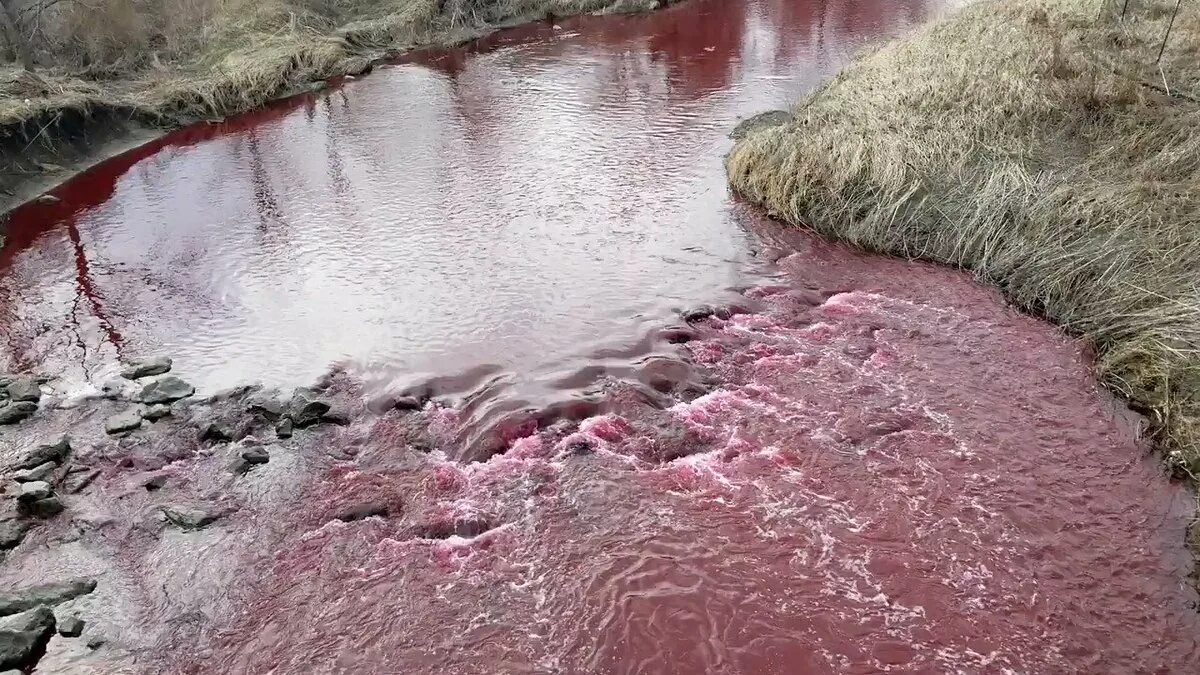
x=57 y=121
x=1040 y=145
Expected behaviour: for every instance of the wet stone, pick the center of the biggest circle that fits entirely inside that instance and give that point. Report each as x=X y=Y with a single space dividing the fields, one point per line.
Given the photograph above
x=12 y=533
x=407 y=403
x=256 y=456
x=269 y=408
x=216 y=432
x=156 y=412
x=96 y=642
x=155 y=482
x=78 y=481
x=44 y=508
x=39 y=472
x=21 y=599
x=155 y=365
x=14 y=412
x=190 y=518
x=122 y=422
x=54 y=451
x=306 y=409
x=284 y=428
x=336 y=415
x=166 y=389
x=23 y=637
x=24 y=389
x=362 y=510
x=72 y=626
x=34 y=490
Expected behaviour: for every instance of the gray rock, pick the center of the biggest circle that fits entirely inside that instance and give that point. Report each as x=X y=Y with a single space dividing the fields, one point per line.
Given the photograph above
x=55 y=451
x=39 y=472
x=362 y=510
x=43 y=508
x=121 y=422
x=190 y=518
x=12 y=533
x=155 y=482
x=23 y=638
x=96 y=642
x=156 y=412
x=155 y=365
x=407 y=403
x=256 y=456
x=76 y=482
x=166 y=389
x=16 y=411
x=34 y=490
x=306 y=409
x=269 y=408
x=759 y=122
x=284 y=428
x=216 y=432
x=72 y=626
x=19 y=600
x=338 y=415
x=24 y=389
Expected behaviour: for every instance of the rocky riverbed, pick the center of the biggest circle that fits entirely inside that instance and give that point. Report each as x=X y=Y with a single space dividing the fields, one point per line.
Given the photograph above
x=142 y=457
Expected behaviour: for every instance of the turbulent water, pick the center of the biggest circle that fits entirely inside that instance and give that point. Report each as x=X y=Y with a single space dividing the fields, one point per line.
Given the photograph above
x=846 y=464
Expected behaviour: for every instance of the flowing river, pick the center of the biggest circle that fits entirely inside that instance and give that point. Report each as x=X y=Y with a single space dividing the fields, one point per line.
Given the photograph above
x=658 y=433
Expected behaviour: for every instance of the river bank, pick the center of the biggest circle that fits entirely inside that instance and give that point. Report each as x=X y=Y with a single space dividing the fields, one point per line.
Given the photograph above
x=57 y=121
x=1039 y=145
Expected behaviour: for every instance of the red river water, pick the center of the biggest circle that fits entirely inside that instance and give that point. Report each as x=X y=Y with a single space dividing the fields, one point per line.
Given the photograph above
x=853 y=465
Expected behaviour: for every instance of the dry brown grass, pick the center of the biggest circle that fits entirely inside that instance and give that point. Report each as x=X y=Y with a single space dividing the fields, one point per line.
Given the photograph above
x=178 y=60
x=1032 y=142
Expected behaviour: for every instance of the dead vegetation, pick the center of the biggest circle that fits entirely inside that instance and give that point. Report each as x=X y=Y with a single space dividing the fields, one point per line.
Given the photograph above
x=173 y=61
x=1038 y=144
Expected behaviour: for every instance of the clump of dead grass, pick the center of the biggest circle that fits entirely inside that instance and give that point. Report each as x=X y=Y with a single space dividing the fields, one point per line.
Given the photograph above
x=1035 y=143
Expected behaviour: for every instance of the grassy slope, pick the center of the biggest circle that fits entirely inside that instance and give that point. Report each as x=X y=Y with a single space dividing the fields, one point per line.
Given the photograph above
x=1030 y=141
x=251 y=51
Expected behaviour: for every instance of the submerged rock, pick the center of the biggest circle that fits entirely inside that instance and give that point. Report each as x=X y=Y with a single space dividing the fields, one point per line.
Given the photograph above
x=12 y=533
x=256 y=456
x=155 y=482
x=284 y=428
x=14 y=412
x=407 y=403
x=23 y=638
x=216 y=432
x=362 y=510
x=39 y=472
x=306 y=409
x=71 y=626
x=24 y=389
x=156 y=412
x=759 y=122
x=19 y=600
x=43 y=508
x=76 y=482
x=165 y=390
x=338 y=415
x=55 y=451
x=155 y=365
x=190 y=518
x=121 y=422
x=266 y=406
